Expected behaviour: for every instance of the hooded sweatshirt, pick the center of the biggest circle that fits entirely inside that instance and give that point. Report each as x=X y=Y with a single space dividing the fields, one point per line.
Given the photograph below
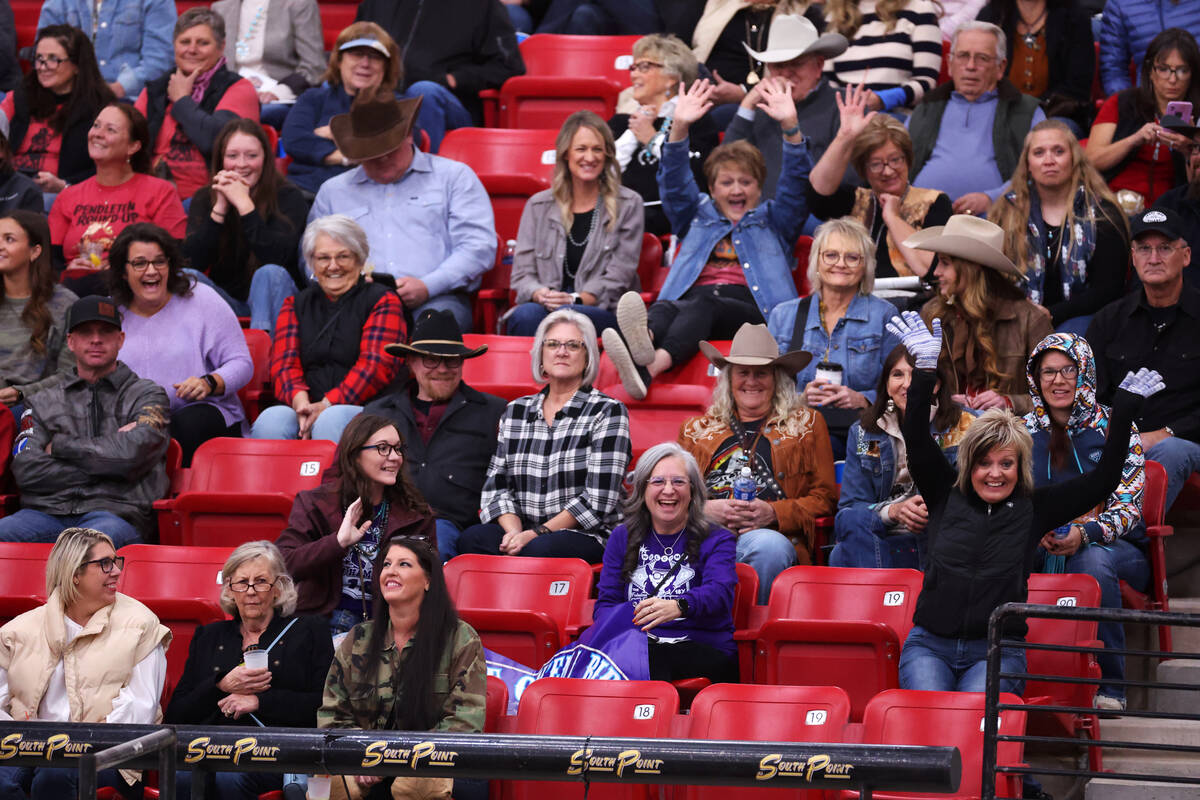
x=1087 y=428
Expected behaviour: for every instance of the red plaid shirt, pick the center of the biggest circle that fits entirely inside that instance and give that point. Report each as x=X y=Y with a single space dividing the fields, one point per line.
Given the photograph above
x=373 y=370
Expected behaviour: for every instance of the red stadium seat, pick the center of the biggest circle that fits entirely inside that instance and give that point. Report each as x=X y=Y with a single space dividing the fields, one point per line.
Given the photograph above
x=497 y=704
x=335 y=17
x=257 y=393
x=606 y=57
x=800 y=275
x=837 y=626
x=504 y=370
x=682 y=397
x=23 y=578
x=568 y=706
x=8 y=435
x=523 y=608
x=25 y=19
x=242 y=489
x=1153 y=499
x=947 y=719
x=649 y=425
x=731 y=711
x=493 y=295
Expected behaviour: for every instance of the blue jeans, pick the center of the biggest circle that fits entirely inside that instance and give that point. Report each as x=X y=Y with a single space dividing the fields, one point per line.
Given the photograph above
x=864 y=541
x=1109 y=565
x=1075 y=325
x=485 y=539
x=269 y=287
x=935 y=663
x=457 y=303
x=281 y=422
x=1180 y=458
x=525 y=318
x=601 y=17
x=447 y=536
x=440 y=111
x=274 y=114
x=769 y=552
x=230 y=785
x=28 y=525
x=53 y=783
x=519 y=16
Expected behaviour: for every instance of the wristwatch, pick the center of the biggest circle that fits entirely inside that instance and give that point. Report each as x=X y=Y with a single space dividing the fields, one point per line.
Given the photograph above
x=683 y=606
x=576 y=298
x=212 y=383
x=541 y=530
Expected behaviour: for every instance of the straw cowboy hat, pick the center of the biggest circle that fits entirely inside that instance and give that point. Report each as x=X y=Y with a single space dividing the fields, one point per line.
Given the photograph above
x=436 y=333
x=970 y=238
x=754 y=346
x=792 y=36
x=375 y=126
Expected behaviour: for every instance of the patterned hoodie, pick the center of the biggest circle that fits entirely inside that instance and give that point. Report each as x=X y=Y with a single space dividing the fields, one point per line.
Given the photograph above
x=1087 y=428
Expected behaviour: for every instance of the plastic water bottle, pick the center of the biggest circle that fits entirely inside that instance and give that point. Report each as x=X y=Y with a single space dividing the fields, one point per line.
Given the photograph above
x=744 y=487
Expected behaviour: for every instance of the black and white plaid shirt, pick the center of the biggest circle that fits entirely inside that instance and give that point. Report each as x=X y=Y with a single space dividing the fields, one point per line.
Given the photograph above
x=577 y=464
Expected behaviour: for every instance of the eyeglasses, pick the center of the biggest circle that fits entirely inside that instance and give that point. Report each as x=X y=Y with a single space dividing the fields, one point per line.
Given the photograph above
x=257 y=586
x=142 y=264
x=48 y=61
x=1181 y=73
x=1163 y=250
x=108 y=563
x=643 y=66
x=385 y=449
x=1190 y=149
x=344 y=259
x=572 y=345
x=433 y=362
x=676 y=481
x=831 y=258
x=895 y=162
x=982 y=59
x=1069 y=373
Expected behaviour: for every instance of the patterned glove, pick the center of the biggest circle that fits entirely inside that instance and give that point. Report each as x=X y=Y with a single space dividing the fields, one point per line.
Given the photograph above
x=1144 y=382
x=917 y=339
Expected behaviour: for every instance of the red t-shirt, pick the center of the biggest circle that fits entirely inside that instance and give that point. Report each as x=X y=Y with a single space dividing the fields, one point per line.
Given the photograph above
x=189 y=167
x=723 y=266
x=41 y=146
x=1145 y=174
x=89 y=215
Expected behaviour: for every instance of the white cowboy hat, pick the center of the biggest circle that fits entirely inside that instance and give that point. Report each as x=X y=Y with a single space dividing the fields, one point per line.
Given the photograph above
x=970 y=238
x=792 y=36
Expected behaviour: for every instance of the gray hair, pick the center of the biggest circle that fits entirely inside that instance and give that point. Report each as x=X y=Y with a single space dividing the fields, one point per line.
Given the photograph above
x=636 y=516
x=200 y=15
x=676 y=57
x=586 y=329
x=285 y=597
x=853 y=230
x=71 y=550
x=340 y=227
x=986 y=27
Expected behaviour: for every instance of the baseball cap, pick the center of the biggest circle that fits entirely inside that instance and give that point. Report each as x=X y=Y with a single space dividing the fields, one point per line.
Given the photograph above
x=1157 y=220
x=93 y=308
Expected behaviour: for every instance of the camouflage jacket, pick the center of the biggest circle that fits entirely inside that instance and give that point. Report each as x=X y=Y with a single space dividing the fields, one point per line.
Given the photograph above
x=356 y=698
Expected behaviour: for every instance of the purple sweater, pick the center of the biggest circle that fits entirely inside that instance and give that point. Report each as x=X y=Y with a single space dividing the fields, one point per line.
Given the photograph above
x=189 y=337
x=708 y=585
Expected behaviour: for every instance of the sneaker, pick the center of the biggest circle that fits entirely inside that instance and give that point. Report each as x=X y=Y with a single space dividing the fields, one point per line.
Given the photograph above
x=635 y=328
x=631 y=374
x=1105 y=702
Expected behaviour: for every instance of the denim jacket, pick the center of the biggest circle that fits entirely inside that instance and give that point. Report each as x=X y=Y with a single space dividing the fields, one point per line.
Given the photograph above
x=860 y=340
x=763 y=239
x=133 y=38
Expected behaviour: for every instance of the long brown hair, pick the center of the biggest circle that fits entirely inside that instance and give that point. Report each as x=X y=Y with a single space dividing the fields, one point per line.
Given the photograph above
x=265 y=193
x=610 y=178
x=36 y=314
x=948 y=412
x=403 y=494
x=845 y=16
x=88 y=95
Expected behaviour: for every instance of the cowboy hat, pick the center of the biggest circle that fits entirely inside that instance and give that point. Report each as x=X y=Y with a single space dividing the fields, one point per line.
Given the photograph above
x=435 y=333
x=754 y=346
x=970 y=238
x=792 y=36
x=375 y=126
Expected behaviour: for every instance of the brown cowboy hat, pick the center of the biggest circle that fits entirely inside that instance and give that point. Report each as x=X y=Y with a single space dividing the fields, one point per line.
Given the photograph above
x=754 y=346
x=970 y=238
x=375 y=126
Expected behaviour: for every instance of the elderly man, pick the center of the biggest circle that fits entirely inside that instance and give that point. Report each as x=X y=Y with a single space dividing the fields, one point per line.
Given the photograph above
x=428 y=219
x=795 y=53
x=1155 y=326
x=1184 y=200
x=448 y=428
x=92 y=447
x=968 y=134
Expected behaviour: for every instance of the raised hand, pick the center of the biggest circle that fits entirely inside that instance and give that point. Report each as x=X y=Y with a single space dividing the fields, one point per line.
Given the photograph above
x=694 y=103
x=853 y=110
x=924 y=345
x=777 y=100
x=1144 y=382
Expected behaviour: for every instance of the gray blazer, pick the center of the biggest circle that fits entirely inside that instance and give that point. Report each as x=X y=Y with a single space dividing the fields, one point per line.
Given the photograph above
x=610 y=260
x=293 y=47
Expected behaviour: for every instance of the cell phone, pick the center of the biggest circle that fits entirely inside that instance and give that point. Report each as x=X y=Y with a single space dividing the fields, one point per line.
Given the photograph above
x=28 y=173
x=1181 y=109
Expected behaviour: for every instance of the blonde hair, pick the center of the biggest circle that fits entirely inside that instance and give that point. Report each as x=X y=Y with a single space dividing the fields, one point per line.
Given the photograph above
x=71 y=551
x=610 y=179
x=996 y=428
x=285 y=597
x=676 y=57
x=856 y=233
x=1013 y=216
x=785 y=401
x=845 y=16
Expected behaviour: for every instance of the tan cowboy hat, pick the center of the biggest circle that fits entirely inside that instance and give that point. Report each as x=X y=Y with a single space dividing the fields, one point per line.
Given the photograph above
x=792 y=36
x=375 y=126
x=754 y=346
x=970 y=238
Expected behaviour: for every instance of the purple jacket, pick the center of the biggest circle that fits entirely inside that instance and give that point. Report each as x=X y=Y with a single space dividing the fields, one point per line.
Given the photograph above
x=708 y=585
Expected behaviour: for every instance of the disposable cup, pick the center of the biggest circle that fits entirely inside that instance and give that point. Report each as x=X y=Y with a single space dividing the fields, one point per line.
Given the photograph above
x=318 y=787
x=255 y=659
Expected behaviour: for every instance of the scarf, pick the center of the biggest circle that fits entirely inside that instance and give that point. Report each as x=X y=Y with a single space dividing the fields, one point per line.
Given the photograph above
x=205 y=78
x=1075 y=247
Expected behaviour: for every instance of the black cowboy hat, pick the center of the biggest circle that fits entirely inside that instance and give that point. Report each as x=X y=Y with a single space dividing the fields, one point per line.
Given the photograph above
x=436 y=333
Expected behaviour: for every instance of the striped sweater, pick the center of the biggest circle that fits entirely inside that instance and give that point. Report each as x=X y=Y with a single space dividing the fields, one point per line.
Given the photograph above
x=908 y=57
x=1126 y=29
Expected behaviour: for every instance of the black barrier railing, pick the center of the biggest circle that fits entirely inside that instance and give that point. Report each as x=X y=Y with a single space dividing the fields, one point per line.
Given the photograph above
x=993 y=706
x=160 y=741
x=490 y=756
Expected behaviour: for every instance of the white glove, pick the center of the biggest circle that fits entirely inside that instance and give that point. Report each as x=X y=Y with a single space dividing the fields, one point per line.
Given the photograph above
x=1144 y=382
x=917 y=339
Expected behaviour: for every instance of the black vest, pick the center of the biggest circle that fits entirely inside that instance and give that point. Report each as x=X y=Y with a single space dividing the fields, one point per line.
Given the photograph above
x=331 y=332
x=156 y=99
x=1129 y=121
x=74 y=163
